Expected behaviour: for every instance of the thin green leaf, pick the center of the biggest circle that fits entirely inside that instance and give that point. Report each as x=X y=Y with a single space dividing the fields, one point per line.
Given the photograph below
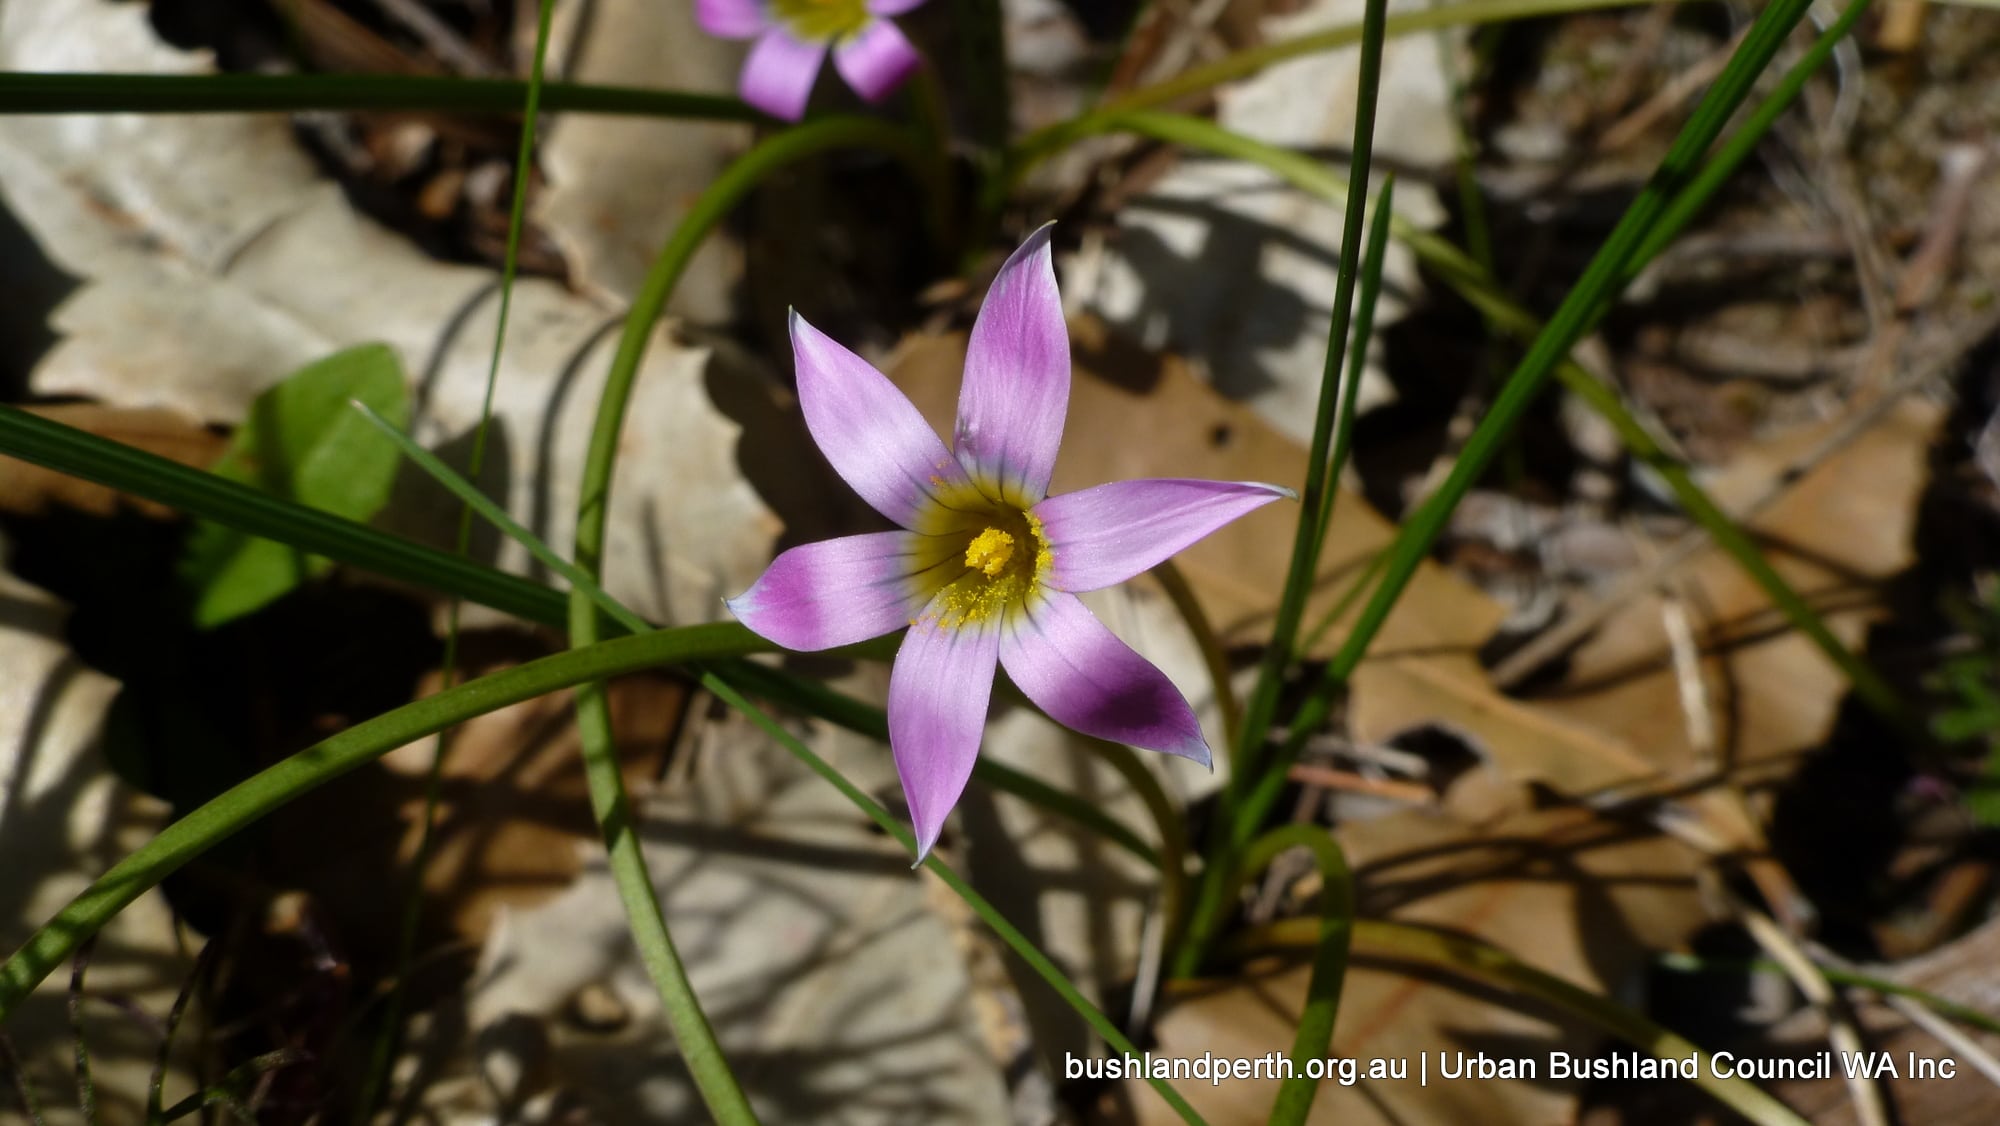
x=1248 y=762
x=236 y=1087
x=269 y=790
x=390 y=1031
x=294 y=93
x=1951 y=1010
x=695 y=1038
x=81 y=454
x=1311 y=1041
x=1350 y=385
x=1045 y=142
x=300 y=445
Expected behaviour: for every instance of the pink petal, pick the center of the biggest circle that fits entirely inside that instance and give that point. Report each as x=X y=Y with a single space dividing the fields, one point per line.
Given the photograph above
x=938 y=692
x=1063 y=659
x=874 y=437
x=1016 y=391
x=876 y=60
x=731 y=19
x=778 y=76
x=840 y=591
x=893 y=7
x=1104 y=535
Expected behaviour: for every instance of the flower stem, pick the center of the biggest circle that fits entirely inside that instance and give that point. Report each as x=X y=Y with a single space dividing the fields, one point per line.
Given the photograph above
x=692 y=1032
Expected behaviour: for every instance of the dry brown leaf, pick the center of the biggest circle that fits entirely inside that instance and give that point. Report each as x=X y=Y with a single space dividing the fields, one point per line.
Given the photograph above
x=514 y=821
x=1961 y=972
x=215 y=258
x=29 y=490
x=1567 y=892
x=1835 y=536
x=619 y=185
x=64 y=819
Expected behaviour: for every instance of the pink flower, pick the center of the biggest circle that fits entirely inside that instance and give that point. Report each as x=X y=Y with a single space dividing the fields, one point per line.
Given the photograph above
x=986 y=566
x=793 y=36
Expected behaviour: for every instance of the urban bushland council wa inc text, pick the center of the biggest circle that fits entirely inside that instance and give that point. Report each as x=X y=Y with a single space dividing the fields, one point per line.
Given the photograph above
x=1460 y=1066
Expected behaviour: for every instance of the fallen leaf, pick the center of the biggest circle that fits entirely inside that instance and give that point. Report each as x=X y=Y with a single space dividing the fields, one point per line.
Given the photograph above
x=619 y=185
x=1221 y=261
x=1836 y=535
x=828 y=979
x=65 y=819
x=1570 y=893
x=216 y=259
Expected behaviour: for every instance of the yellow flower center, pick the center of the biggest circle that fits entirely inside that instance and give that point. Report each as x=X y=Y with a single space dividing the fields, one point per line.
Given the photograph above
x=984 y=559
x=819 y=21
x=989 y=551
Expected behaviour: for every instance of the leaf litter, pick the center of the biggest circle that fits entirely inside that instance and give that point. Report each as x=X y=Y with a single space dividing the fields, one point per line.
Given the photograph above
x=1504 y=851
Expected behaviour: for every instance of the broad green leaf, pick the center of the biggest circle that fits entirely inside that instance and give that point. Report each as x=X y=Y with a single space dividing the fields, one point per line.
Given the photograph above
x=303 y=443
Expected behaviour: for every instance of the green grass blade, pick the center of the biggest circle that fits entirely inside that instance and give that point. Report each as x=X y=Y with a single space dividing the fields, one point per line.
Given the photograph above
x=389 y=1034
x=1350 y=387
x=293 y=93
x=1314 y=1036
x=1950 y=1010
x=1575 y=316
x=1277 y=656
x=81 y=454
x=1247 y=763
x=1044 y=142
x=269 y=790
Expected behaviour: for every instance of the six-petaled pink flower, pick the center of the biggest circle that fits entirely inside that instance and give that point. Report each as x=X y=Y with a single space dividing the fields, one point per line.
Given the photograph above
x=985 y=566
x=793 y=37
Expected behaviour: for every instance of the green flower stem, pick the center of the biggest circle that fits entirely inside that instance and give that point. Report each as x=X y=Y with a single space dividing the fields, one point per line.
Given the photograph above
x=229 y=813
x=1403 y=944
x=692 y=1032
x=1335 y=930
x=290 y=93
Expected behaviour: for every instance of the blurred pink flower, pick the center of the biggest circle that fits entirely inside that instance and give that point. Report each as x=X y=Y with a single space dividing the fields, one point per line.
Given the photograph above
x=793 y=36
x=986 y=566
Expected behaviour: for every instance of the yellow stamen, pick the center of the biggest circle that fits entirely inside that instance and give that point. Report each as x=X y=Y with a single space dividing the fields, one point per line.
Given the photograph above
x=818 y=21
x=989 y=551
x=1006 y=560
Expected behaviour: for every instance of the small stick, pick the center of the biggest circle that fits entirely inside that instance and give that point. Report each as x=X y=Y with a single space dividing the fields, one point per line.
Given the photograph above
x=1869 y=1107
